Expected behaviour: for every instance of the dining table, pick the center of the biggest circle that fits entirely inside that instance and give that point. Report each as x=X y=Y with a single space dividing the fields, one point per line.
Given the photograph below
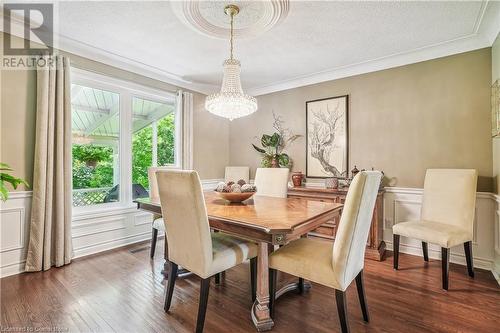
x=268 y=221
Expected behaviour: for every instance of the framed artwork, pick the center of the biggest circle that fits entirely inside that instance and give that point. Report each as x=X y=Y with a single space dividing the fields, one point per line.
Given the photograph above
x=495 y=109
x=327 y=137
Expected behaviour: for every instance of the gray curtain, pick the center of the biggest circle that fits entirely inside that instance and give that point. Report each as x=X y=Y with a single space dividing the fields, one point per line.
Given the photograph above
x=50 y=228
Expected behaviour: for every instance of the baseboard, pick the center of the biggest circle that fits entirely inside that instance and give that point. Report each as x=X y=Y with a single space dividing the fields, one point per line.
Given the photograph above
x=18 y=268
x=433 y=254
x=110 y=244
x=454 y=258
x=12 y=269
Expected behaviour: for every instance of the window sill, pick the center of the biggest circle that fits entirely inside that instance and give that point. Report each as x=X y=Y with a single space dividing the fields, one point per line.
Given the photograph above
x=97 y=211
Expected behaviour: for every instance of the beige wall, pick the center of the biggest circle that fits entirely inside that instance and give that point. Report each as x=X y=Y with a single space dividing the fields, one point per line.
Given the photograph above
x=495 y=75
x=18 y=106
x=401 y=120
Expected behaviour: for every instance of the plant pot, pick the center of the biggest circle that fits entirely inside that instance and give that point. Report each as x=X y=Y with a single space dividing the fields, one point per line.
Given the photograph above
x=297 y=179
x=332 y=183
x=91 y=163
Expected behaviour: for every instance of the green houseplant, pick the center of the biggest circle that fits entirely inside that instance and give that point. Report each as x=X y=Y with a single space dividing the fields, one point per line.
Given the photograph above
x=273 y=146
x=5 y=178
x=91 y=154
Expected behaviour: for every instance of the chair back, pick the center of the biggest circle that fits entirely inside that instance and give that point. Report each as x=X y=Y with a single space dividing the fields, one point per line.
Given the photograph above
x=187 y=230
x=450 y=197
x=352 y=234
x=272 y=182
x=154 y=194
x=235 y=173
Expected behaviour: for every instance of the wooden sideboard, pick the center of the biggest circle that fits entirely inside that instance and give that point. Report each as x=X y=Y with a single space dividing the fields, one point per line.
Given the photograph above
x=375 y=247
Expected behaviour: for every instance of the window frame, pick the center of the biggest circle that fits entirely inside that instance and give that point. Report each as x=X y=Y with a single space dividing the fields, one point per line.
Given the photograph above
x=127 y=91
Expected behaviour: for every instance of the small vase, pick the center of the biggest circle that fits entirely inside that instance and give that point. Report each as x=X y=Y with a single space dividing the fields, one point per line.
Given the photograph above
x=297 y=179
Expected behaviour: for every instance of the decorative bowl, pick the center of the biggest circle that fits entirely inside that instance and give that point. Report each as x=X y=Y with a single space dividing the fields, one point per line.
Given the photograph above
x=235 y=196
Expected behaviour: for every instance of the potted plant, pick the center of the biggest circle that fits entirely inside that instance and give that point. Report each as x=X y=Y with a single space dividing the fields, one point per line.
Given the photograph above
x=273 y=146
x=91 y=154
x=5 y=178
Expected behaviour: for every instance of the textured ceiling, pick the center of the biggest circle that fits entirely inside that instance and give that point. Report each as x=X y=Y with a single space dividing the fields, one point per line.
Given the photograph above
x=316 y=41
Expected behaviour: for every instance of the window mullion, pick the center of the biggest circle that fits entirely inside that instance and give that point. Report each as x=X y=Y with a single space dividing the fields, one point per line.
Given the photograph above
x=154 y=144
x=125 y=147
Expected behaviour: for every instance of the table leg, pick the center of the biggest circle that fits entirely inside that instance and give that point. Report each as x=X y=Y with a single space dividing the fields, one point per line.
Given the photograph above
x=260 y=309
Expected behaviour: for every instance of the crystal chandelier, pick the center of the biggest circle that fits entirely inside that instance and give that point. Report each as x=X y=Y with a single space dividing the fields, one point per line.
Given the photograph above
x=231 y=102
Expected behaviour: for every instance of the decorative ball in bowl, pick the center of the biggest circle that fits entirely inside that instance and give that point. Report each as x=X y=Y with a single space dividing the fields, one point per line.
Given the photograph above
x=235 y=192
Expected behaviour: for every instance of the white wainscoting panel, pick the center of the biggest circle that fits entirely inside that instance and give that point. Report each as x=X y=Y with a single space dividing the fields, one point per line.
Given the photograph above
x=404 y=204
x=496 y=262
x=14 y=229
x=93 y=232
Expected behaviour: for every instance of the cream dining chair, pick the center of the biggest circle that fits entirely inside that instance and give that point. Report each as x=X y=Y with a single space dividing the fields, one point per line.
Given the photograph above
x=272 y=182
x=338 y=265
x=190 y=242
x=235 y=173
x=446 y=218
x=158 y=224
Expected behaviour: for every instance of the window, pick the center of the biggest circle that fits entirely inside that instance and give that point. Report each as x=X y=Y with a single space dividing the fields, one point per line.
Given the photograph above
x=153 y=140
x=95 y=117
x=119 y=129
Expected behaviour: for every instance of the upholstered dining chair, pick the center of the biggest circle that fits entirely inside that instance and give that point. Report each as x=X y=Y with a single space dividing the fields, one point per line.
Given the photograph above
x=158 y=224
x=338 y=265
x=446 y=217
x=235 y=173
x=272 y=182
x=190 y=242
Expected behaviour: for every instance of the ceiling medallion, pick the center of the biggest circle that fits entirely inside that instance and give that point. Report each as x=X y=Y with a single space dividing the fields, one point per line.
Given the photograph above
x=207 y=17
x=231 y=102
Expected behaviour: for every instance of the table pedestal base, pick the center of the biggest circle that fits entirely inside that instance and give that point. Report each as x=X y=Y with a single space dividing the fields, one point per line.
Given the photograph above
x=261 y=318
x=260 y=315
x=294 y=286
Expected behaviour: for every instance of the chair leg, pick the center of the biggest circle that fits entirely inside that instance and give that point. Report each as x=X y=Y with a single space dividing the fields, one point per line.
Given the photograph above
x=154 y=237
x=202 y=307
x=273 y=274
x=425 y=250
x=362 y=296
x=217 y=278
x=342 y=310
x=468 y=257
x=253 y=277
x=395 y=245
x=301 y=286
x=172 y=276
x=445 y=266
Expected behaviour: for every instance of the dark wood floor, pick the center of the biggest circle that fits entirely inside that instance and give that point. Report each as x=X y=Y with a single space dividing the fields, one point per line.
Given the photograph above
x=122 y=291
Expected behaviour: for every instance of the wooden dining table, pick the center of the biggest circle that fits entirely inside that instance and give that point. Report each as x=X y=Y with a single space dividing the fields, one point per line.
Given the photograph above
x=268 y=221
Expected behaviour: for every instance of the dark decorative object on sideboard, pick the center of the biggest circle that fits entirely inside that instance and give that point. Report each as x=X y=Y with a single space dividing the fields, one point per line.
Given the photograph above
x=375 y=247
x=354 y=172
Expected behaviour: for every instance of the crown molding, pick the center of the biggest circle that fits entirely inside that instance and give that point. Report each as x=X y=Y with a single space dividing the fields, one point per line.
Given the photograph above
x=465 y=44
x=70 y=45
x=133 y=66
x=483 y=34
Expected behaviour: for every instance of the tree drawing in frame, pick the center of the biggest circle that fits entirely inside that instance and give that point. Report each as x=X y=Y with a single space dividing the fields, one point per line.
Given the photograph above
x=327 y=137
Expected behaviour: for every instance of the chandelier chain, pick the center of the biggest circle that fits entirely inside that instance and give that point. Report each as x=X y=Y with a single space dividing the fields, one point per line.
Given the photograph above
x=231 y=102
x=231 y=37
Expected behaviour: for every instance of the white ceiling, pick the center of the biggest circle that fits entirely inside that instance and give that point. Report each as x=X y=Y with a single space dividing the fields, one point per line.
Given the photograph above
x=317 y=41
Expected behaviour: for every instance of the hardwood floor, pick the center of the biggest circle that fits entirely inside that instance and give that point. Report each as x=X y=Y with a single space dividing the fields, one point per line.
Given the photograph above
x=122 y=291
